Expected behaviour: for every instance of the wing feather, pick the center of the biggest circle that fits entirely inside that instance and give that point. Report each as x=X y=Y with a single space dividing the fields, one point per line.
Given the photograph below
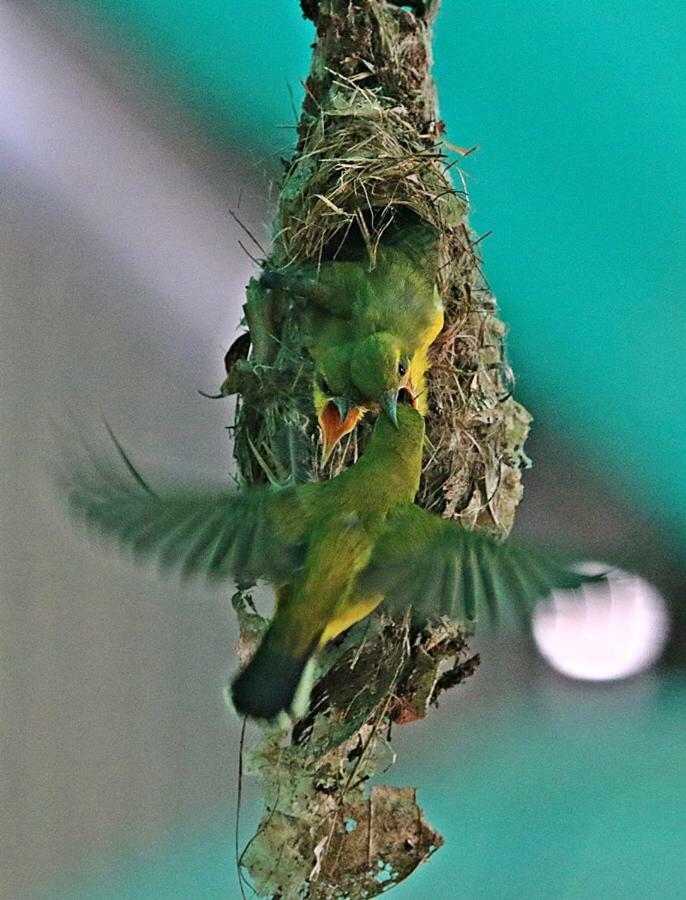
x=490 y=593
x=438 y=567
x=468 y=564
x=193 y=531
x=446 y=585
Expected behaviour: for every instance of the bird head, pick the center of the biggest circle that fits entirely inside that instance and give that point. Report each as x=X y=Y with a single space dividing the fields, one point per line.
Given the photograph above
x=380 y=371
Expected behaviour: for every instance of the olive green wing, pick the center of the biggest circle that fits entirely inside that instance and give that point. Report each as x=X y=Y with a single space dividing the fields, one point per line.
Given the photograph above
x=254 y=534
x=331 y=287
x=438 y=568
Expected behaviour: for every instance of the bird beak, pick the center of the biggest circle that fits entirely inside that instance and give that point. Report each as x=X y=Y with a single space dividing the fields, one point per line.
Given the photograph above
x=226 y=388
x=211 y=396
x=407 y=394
x=389 y=401
x=336 y=420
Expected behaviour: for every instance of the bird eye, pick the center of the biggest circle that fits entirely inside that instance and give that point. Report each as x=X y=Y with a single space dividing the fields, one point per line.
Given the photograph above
x=402 y=369
x=323 y=384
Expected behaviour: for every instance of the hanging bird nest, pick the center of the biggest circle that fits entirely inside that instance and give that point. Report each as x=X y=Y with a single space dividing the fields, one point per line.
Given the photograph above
x=370 y=162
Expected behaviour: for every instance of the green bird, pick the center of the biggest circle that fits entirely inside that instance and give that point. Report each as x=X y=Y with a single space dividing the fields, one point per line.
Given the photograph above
x=333 y=550
x=368 y=330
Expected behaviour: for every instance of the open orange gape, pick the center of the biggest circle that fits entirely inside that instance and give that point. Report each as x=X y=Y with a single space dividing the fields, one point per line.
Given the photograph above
x=335 y=422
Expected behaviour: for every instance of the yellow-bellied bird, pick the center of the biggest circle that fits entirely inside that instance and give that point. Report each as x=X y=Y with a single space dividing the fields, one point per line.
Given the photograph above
x=334 y=550
x=368 y=330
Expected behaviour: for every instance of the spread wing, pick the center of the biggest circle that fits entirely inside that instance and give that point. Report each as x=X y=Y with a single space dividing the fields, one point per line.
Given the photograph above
x=249 y=535
x=439 y=568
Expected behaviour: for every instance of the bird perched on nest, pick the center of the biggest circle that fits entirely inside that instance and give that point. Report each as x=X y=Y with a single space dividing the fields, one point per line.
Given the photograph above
x=334 y=550
x=368 y=330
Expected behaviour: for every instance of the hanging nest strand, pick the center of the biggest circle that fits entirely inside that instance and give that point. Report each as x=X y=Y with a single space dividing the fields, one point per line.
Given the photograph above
x=370 y=161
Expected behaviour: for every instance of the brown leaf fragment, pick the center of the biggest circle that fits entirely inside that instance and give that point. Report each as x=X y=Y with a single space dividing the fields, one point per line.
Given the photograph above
x=384 y=839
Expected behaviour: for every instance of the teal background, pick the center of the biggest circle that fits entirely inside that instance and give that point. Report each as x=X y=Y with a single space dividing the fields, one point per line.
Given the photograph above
x=580 y=114
x=556 y=793
x=579 y=111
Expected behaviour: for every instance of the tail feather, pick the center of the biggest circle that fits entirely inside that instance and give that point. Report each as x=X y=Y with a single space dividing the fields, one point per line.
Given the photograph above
x=269 y=683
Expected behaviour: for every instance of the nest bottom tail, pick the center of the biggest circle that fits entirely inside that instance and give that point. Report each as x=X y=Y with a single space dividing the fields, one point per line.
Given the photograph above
x=277 y=679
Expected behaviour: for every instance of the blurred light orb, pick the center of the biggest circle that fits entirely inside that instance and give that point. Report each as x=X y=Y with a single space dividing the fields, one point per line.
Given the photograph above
x=605 y=631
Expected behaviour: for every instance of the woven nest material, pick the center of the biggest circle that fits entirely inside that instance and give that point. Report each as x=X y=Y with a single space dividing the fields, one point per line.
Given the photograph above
x=362 y=172
x=370 y=162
